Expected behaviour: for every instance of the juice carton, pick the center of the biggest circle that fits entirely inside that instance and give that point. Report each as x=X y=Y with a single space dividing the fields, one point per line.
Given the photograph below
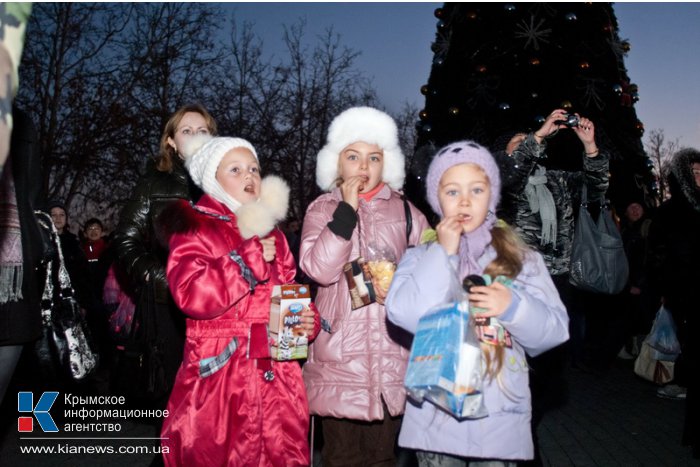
x=289 y=340
x=444 y=366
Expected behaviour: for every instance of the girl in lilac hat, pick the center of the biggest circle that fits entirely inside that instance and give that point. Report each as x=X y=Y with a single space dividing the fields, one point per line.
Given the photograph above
x=463 y=187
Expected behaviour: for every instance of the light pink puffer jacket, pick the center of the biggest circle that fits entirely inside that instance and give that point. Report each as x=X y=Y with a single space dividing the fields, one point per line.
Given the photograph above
x=364 y=358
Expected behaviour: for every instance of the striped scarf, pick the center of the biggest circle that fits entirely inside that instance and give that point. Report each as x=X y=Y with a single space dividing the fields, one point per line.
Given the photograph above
x=11 y=270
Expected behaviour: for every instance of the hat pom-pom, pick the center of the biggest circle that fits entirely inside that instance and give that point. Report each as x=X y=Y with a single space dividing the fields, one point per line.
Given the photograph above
x=192 y=145
x=261 y=217
x=274 y=193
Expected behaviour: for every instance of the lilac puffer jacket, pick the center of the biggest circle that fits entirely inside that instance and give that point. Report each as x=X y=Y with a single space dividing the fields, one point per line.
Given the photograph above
x=363 y=359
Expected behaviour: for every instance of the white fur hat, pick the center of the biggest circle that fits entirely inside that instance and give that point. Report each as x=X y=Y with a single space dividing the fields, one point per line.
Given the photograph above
x=367 y=125
x=203 y=154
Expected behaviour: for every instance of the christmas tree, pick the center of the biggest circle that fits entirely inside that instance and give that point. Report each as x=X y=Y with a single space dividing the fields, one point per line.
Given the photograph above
x=502 y=67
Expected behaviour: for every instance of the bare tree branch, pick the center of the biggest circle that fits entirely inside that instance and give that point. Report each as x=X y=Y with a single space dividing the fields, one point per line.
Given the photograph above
x=660 y=151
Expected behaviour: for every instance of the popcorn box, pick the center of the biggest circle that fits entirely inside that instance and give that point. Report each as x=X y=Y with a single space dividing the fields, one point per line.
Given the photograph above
x=289 y=340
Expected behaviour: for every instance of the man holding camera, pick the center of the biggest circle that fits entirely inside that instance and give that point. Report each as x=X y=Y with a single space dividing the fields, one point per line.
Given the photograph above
x=539 y=204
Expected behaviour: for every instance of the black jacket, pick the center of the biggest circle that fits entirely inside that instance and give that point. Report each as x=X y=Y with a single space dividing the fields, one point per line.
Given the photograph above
x=77 y=265
x=144 y=254
x=565 y=188
x=20 y=321
x=674 y=240
x=136 y=242
x=634 y=237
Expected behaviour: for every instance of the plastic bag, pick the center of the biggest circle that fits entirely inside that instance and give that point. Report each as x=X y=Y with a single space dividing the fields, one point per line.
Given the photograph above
x=662 y=337
x=377 y=266
x=381 y=262
x=445 y=365
x=119 y=304
x=651 y=368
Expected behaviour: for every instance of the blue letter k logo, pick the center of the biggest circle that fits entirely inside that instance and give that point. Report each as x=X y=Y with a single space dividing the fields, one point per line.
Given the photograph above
x=25 y=403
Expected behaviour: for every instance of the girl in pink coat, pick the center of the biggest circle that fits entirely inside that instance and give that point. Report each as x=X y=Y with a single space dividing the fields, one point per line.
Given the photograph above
x=354 y=374
x=231 y=404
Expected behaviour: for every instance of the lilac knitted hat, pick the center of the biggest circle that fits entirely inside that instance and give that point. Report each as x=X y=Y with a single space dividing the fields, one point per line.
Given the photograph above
x=462 y=152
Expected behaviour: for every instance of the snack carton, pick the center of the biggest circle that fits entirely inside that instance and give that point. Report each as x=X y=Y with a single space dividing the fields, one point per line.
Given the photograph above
x=445 y=365
x=289 y=340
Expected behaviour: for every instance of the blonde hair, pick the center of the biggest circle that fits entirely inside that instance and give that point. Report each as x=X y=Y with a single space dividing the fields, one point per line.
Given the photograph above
x=167 y=154
x=510 y=251
x=510 y=256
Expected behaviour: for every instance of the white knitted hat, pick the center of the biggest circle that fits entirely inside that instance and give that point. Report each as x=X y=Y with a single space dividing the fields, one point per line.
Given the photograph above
x=203 y=154
x=361 y=124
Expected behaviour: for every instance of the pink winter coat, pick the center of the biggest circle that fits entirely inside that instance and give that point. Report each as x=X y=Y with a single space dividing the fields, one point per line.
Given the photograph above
x=233 y=417
x=363 y=359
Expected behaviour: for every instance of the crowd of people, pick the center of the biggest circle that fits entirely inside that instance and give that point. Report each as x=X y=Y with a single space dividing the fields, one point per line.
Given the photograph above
x=185 y=282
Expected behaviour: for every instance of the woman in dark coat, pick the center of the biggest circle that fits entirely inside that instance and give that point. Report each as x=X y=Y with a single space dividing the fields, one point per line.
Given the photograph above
x=144 y=255
x=540 y=205
x=20 y=317
x=674 y=262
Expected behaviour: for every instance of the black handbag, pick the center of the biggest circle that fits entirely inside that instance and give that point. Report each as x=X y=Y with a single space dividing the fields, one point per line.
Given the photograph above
x=138 y=358
x=65 y=347
x=598 y=260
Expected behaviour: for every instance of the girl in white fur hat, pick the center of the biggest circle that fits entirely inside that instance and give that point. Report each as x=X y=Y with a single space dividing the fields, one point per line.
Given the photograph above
x=354 y=374
x=231 y=404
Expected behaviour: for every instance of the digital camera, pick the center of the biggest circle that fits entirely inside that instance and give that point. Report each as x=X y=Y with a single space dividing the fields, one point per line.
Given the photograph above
x=570 y=120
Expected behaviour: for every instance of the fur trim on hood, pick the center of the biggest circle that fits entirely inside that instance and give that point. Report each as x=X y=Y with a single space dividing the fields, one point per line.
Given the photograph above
x=253 y=219
x=680 y=176
x=177 y=217
x=361 y=124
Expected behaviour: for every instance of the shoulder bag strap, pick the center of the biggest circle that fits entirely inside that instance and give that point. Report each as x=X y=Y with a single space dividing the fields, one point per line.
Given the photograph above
x=63 y=276
x=47 y=295
x=409 y=218
x=584 y=195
